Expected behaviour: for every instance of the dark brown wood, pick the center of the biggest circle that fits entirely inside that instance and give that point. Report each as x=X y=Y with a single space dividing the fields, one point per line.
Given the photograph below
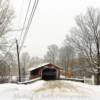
x=18 y=60
x=38 y=72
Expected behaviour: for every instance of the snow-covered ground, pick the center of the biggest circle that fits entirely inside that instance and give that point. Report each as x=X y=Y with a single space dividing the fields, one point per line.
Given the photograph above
x=50 y=90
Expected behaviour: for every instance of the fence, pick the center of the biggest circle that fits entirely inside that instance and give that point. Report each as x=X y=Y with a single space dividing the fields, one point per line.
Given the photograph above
x=90 y=81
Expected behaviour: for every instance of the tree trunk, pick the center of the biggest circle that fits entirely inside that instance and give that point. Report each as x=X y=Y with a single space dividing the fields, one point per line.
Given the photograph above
x=98 y=77
x=98 y=59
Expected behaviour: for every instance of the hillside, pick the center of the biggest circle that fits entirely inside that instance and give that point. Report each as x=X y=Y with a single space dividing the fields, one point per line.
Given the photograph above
x=50 y=90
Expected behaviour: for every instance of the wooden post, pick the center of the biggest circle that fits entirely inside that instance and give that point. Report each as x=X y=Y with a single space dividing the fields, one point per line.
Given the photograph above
x=17 y=46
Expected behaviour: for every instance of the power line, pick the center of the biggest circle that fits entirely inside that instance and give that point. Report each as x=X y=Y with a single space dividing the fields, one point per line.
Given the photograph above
x=29 y=21
x=25 y=20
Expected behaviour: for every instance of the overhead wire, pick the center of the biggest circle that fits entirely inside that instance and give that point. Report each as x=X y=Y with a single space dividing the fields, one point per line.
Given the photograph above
x=28 y=26
x=6 y=54
x=25 y=20
x=29 y=22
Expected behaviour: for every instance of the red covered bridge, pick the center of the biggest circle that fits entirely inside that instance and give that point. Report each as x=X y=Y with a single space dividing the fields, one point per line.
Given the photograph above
x=45 y=71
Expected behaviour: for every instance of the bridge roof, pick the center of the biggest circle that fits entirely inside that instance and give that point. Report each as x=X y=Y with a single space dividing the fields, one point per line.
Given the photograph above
x=43 y=65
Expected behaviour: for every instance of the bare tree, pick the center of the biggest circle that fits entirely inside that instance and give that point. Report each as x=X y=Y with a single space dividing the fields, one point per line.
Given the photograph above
x=25 y=61
x=86 y=38
x=51 y=54
x=66 y=56
x=6 y=16
x=35 y=61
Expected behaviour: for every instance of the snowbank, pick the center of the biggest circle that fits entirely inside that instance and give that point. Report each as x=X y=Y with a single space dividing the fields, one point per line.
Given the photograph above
x=50 y=90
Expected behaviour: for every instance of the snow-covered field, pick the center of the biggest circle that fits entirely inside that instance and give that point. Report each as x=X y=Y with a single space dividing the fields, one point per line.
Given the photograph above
x=50 y=90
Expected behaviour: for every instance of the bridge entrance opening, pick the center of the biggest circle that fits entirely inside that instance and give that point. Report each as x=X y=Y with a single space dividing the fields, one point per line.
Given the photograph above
x=49 y=74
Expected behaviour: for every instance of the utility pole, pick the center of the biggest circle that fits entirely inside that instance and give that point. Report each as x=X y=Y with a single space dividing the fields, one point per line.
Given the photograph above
x=17 y=46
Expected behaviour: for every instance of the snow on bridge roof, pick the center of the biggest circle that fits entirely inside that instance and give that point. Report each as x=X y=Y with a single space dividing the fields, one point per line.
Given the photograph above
x=42 y=65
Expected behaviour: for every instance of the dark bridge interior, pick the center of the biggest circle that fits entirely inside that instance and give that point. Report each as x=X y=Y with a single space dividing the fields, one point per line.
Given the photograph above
x=49 y=74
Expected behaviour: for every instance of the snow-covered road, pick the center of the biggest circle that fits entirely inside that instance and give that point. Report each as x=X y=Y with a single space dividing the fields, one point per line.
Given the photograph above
x=50 y=90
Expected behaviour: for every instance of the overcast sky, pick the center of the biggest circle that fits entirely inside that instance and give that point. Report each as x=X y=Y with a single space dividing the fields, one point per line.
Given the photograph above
x=52 y=21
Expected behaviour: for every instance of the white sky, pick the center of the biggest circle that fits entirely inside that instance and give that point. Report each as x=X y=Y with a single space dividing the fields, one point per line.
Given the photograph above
x=53 y=20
